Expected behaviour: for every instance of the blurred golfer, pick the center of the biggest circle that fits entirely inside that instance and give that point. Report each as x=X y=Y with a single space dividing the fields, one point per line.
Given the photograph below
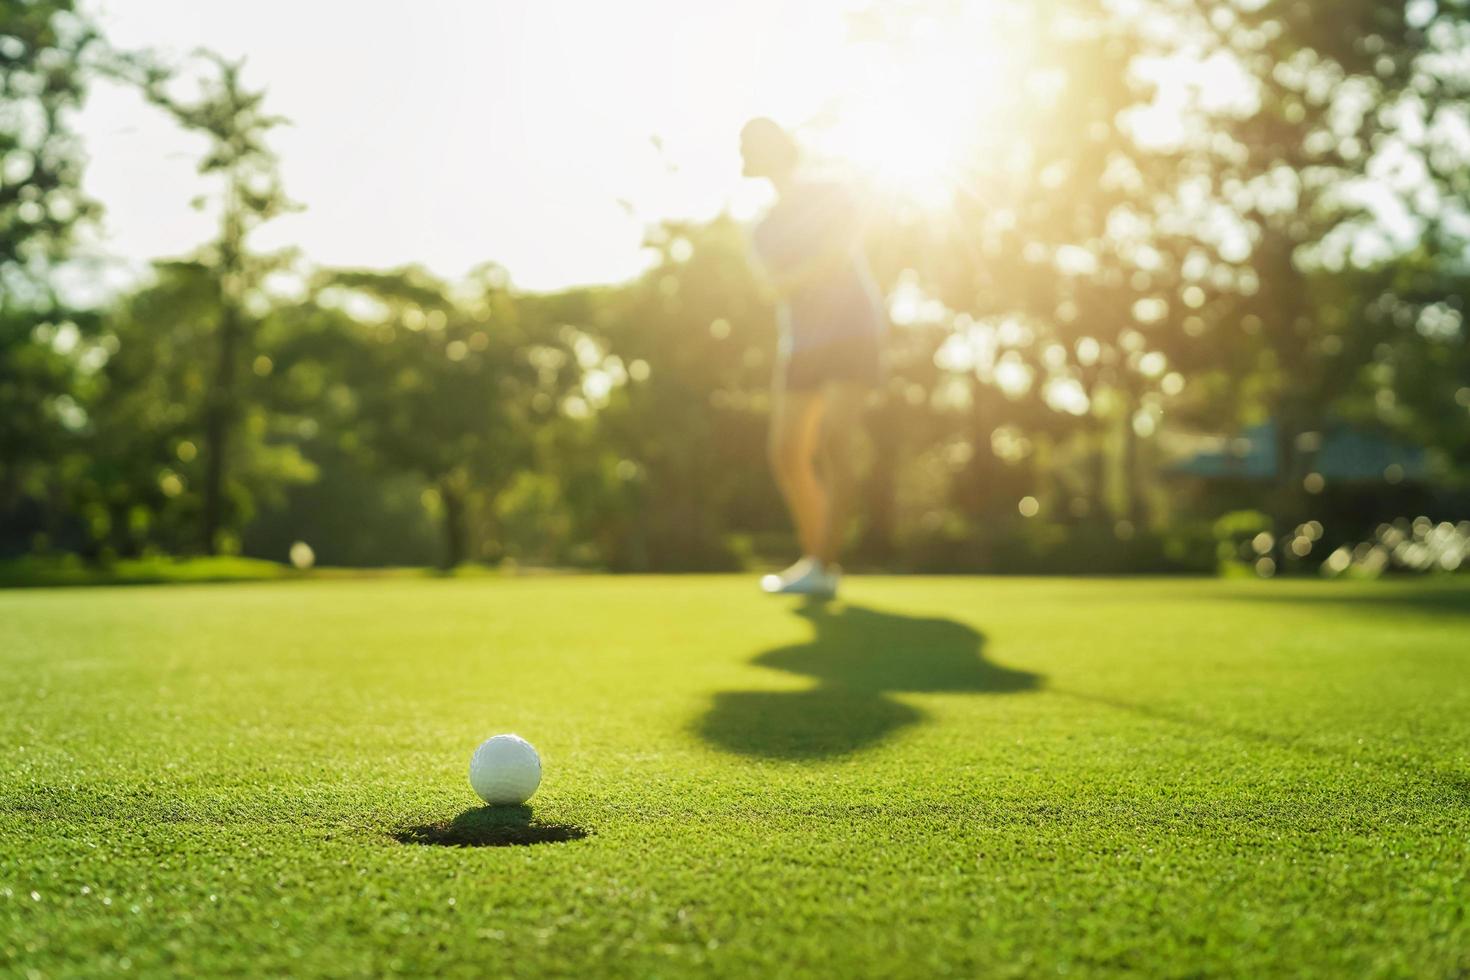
x=809 y=247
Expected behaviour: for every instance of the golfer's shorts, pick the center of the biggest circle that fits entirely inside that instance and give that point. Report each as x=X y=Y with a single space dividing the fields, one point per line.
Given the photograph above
x=853 y=360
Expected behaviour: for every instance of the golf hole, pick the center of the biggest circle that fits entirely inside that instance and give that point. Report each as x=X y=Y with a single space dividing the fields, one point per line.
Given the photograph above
x=490 y=826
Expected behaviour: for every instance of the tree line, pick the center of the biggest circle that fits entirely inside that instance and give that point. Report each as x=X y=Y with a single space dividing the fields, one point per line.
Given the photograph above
x=1141 y=271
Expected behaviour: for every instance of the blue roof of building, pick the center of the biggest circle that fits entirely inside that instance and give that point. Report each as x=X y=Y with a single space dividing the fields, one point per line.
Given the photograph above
x=1346 y=453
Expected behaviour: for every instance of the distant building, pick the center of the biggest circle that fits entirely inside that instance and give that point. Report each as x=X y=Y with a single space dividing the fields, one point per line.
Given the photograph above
x=1340 y=454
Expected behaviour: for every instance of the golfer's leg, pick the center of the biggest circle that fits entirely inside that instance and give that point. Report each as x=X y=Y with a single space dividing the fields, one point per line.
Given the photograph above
x=842 y=420
x=796 y=423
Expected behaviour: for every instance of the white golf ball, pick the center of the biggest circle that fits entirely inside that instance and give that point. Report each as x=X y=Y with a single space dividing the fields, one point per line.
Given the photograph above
x=505 y=770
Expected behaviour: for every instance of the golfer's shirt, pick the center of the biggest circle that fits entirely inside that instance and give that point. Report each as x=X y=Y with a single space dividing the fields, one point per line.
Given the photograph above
x=814 y=218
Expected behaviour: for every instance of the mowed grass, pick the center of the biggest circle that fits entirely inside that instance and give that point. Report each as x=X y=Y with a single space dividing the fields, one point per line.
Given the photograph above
x=938 y=776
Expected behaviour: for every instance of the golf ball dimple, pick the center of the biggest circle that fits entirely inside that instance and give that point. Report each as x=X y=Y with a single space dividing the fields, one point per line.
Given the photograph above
x=505 y=770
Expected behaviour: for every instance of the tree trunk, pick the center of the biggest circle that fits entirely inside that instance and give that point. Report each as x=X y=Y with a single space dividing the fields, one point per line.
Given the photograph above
x=454 y=524
x=1134 y=510
x=218 y=418
x=1288 y=504
x=1099 y=461
x=879 y=488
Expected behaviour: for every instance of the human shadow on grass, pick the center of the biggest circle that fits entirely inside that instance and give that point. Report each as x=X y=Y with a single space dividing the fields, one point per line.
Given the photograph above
x=858 y=656
x=490 y=826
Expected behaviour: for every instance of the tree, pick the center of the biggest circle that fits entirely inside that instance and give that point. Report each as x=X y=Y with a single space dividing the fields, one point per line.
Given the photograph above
x=1031 y=268
x=149 y=412
x=441 y=382
x=694 y=344
x=233 y=120
x=44 y=48
x=1344 y=116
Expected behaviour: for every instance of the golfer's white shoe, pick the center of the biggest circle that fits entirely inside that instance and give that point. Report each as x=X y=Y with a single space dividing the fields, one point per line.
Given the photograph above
x=806 y=577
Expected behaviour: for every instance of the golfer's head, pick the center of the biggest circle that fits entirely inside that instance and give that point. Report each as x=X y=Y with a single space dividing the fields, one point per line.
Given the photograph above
x=766 y=149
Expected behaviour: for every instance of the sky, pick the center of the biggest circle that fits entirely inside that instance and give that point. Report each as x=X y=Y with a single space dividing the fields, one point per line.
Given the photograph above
x=548 y=135
x=544 y=135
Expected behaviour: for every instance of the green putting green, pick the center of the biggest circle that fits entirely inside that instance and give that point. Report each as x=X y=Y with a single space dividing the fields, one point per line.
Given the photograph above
x=934 y=776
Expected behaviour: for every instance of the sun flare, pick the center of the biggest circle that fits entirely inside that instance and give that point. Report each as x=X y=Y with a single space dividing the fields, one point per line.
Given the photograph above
x=909 y=116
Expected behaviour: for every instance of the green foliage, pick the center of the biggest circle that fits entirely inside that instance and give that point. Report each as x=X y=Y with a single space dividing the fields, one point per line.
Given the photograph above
x=352 y=514
x=42 y=45
x=233 y=121
x=1099 y=294
x=695 y=343
x=43 y=353
x=1242 y=538
x=146 y=463
x=1106 y=278
x=445 y=384
x=69 y=570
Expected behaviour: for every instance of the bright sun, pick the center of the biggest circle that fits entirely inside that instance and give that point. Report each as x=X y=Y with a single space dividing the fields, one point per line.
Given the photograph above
x=910 y=117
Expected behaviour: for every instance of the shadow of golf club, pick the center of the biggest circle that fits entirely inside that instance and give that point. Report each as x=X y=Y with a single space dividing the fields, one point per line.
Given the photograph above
x=490 y=826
